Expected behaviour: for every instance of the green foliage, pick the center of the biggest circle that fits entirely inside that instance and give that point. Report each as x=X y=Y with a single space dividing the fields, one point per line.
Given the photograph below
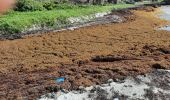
x=49 y=5
x=39 y=5
x=29 y=5
x=66 y=6
x=16 y=22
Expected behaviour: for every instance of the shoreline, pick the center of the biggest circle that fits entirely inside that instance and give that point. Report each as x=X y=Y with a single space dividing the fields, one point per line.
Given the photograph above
x=84 y=21
x=85 y=56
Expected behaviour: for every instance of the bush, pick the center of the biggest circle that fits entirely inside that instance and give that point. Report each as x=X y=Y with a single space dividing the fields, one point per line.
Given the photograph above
x=67 y=6
x=49 y=5
x=38 y=5
x=29 y=5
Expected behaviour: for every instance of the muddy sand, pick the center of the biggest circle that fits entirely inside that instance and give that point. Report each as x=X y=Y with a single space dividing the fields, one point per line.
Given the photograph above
x=85 y=56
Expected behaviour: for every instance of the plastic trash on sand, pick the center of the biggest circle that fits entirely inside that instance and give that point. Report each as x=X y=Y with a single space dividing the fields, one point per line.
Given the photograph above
x=60 y=80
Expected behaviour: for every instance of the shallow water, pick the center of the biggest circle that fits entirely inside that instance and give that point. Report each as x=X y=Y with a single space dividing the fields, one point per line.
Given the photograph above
x=166 y=16
x=167 y=28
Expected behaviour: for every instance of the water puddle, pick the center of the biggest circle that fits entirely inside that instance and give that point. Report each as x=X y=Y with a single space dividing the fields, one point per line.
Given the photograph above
x=165 y=16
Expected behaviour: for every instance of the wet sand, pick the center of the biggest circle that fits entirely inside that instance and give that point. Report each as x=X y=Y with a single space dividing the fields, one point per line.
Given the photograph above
x=85 y=56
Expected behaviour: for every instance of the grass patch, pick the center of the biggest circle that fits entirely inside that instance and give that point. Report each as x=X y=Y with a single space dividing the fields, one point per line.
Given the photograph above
x=16 y=22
